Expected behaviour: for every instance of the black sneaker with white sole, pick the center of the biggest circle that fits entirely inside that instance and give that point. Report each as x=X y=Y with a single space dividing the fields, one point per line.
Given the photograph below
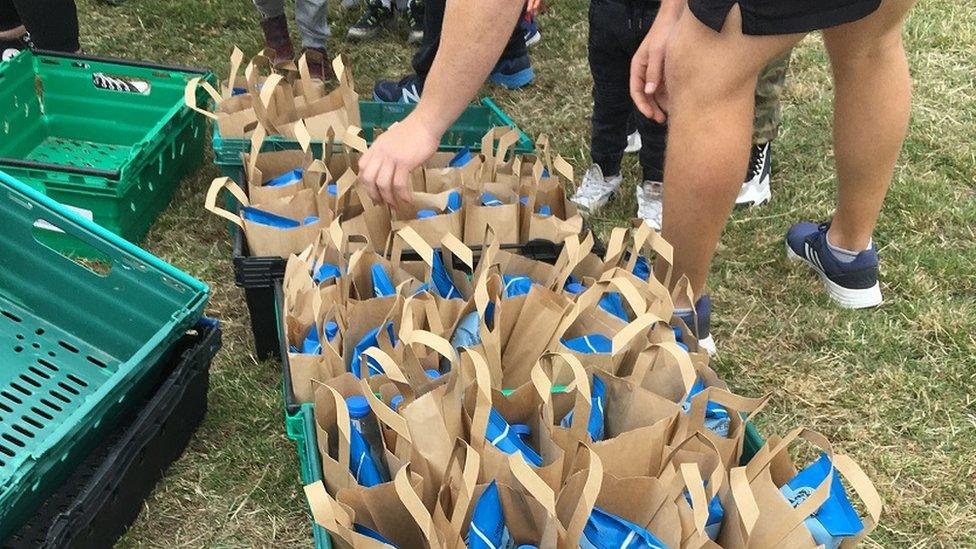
x=852 y=285
x=375 y=17
x=755 y=189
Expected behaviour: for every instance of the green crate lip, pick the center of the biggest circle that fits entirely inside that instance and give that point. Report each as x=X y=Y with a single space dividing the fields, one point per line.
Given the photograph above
x=239 y=145
x=300 y=427
x=123 y=376
x=137 y=160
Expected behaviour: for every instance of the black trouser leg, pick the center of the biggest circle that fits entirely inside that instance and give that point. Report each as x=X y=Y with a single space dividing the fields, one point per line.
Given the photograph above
x=52 y=24
x=433 y=21
x=610 y=67
x=616 y=30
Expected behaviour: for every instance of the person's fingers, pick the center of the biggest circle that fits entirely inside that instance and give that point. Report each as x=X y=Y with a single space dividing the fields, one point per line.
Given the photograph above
x=384 y=182
x=653 y=81
x=401 y=184
x=638 y=72
x=368 y=167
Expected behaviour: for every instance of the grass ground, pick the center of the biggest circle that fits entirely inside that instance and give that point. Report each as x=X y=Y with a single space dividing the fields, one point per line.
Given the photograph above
x=894 y=386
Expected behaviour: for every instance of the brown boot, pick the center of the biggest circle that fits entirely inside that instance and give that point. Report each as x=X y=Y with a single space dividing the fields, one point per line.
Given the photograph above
x=319 y=64
x=276 y=35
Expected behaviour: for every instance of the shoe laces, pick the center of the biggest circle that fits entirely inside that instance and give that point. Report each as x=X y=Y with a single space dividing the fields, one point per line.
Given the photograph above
x=756 y=160
x=651 y=201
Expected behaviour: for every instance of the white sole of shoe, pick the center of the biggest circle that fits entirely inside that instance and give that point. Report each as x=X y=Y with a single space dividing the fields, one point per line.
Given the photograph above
x=845 y=297
x=535 y=39
x=708 y=344
x=756 y=195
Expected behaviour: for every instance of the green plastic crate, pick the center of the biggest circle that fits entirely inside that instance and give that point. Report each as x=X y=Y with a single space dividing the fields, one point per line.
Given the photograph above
x=116 y=157
x=467 y=131
x=300 y=427
x=82 y=342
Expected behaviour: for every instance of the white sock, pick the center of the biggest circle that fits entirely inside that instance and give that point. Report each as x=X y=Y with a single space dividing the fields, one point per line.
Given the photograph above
x=842 y=255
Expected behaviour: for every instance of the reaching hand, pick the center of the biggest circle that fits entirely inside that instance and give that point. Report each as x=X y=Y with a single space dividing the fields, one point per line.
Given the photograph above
x=648 y=88
x=534 y=6
x=386 y=166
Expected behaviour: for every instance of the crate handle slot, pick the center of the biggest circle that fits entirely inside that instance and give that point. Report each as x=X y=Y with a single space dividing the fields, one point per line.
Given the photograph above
x=100 y=266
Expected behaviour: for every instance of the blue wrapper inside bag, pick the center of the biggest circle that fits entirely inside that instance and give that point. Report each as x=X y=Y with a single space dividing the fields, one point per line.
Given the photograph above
x=611 y=302
x=370 y=533
x=716 y=416
x=467 y=333
x=442 y=280
x=488 y=199
x=713 y=524
x=836 y=520
x=325 y=271
x=642 y=268
x=608 y=531
x=262 y=217
x=516 y=285
x=287 y=178
x=487 y=529
x=461 y=159
x=382 y=285
x=367 y=341
x=590 y=344
x=501 y=435
x=598 y=396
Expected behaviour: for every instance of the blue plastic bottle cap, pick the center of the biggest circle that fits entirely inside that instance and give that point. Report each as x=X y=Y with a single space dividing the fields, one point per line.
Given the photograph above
x=310 y=219
x=358 y=406
x=396 y=402
x=677 y=331
x=332 y=188
x=521 y=429
x=545 y=210
x=524 y=200
x=432 y=374
x=424 y=214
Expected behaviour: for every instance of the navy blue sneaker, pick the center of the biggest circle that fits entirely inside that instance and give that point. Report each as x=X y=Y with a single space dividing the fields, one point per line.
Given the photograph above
x=407 y=90
x=530 y=30
x=852 y=285
x=513 y=73
x=701 y=330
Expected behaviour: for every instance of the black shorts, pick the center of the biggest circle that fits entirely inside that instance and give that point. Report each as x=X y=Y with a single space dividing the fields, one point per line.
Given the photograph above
x=767 y=17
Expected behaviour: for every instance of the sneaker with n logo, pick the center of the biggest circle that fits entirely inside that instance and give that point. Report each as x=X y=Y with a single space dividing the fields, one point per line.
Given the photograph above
x=851 y=284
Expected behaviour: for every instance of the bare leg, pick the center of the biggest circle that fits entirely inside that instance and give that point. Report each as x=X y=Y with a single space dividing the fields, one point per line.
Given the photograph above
x=872 y=89
x=712 y=81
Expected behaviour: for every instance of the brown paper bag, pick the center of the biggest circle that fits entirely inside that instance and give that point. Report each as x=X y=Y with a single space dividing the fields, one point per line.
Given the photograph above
x=233 y=114
x=263 y=240
x=502 y=220
x=437 y=176
x=757 y=514
x=564 y=221
x=431 y=229
x=741 y=410
x=261 y=167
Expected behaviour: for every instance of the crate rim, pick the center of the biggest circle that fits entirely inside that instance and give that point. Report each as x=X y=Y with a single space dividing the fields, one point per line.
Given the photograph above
x=116 y=175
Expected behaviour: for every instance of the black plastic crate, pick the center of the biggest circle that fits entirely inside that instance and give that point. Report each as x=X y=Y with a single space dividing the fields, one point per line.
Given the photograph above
x=99 y=501
x=258 y=275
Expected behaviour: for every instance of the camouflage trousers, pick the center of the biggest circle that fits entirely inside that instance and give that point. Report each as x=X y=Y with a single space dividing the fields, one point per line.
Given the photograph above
x=769 y=93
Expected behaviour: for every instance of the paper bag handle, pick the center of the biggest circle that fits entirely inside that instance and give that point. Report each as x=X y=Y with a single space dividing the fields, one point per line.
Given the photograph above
x=865 y=490
x=216 y=187
x=584 y=507
x=482 y=383
x=190 y=96
x=413 y=504
x=583 y=405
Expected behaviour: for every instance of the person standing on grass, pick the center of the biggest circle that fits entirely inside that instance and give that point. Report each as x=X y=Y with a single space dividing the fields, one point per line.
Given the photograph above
x=616 y=30
x=698 y=67
x=313 y=24
x=38 y=24
x=512 y=67
x=714 y=51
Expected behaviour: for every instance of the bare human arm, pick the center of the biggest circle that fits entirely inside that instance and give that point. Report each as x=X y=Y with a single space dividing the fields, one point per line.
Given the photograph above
x=472 y=39
x=648 y=88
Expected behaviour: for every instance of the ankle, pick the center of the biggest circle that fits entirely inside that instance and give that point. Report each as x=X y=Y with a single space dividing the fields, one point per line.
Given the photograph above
x=844 y=241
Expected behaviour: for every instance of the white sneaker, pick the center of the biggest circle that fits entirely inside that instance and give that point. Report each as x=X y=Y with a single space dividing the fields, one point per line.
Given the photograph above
x=633 y=143
x=595 y=190
x=755 y=189
x=650 y=203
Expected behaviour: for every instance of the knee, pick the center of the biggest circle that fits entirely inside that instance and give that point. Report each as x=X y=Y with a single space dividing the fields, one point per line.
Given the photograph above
x=861 y=55
x=695 y=80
